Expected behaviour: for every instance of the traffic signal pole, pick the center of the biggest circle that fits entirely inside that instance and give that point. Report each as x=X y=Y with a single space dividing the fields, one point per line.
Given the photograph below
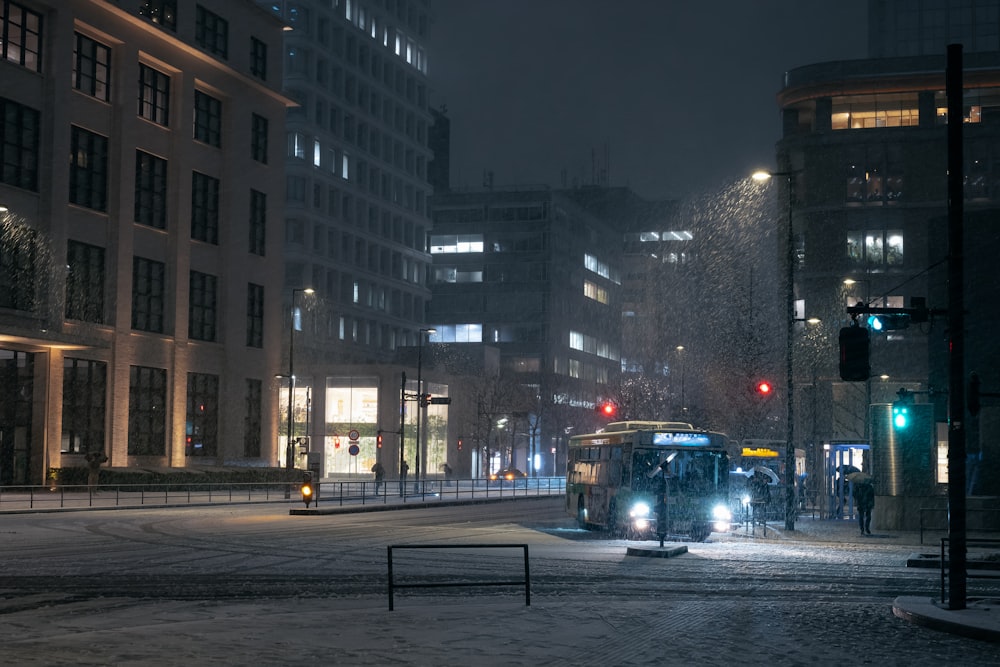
x=956 y=327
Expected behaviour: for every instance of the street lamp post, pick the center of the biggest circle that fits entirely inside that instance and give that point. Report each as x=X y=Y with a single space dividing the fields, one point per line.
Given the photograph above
x=420 y=403
x=290 y=446
x=680 y=356
x=789 y=352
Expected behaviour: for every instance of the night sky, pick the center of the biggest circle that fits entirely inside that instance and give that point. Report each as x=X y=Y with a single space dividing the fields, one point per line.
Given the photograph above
x=679 y=93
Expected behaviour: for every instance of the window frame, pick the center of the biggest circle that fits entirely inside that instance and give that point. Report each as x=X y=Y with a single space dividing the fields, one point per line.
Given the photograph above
x=19 y=144
x=207 y=119
x=149 y=279
x=255 y=315
x=91 y=67
x=203 y=306
x=88 y=169
x=85 y=282
x=147 y=413
x=21 y=43
x=154 y=95
x=150 y=207
x=205 y=208
x=211 y=32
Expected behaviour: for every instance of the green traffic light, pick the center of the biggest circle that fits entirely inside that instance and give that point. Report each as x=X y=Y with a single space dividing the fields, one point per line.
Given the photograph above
x=900 y=416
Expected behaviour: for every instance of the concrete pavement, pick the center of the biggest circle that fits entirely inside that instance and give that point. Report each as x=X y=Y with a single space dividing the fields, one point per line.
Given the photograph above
x=979 y=620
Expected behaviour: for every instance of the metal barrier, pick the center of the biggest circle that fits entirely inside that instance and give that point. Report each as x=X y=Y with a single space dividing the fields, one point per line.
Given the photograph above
x=342 y=492
x=968 y=511
x=526 y=582
x=971 y=574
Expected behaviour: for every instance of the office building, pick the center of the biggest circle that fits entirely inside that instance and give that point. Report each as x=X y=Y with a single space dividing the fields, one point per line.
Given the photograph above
x=866 y=141
x=356 y=221
x=140 y=265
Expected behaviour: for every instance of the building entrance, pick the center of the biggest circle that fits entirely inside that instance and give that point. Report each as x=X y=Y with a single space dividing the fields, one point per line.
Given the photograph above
x=842 y=459
x=16 y=384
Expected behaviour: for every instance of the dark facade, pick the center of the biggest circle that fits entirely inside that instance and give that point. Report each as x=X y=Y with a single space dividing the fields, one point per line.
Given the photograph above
x=867 y=143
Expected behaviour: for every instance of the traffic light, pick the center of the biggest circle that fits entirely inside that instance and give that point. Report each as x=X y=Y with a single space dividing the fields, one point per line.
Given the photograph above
x=607 y=409
x=459 y=444
x=764 y=388
x=378 y=439
x=854 y=348
x=888 y=322
x=900 y=415
x=307 y=488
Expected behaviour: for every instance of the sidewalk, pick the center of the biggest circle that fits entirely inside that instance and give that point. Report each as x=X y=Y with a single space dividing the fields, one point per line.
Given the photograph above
x=979 y=620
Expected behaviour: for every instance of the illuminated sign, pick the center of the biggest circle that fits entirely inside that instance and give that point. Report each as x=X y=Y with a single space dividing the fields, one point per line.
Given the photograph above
x=681 y=439
x=760 y=452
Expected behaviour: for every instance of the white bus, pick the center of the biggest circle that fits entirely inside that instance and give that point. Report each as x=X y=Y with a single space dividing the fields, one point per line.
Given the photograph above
x=616 y=479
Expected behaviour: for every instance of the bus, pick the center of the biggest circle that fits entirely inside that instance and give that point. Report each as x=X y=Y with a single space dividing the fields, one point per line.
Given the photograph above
x=616 y=479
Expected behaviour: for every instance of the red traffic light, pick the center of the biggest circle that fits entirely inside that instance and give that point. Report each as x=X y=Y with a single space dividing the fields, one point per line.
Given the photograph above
x=764 y=388
x=378 y=440
x=459 y=444
x=607 y=409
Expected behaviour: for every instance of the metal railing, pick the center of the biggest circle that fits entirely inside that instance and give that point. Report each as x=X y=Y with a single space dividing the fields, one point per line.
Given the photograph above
x=342 y=492
x=526 y=582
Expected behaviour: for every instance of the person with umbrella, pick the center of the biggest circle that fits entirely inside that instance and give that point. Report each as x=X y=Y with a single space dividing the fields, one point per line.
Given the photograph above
x=864 y=499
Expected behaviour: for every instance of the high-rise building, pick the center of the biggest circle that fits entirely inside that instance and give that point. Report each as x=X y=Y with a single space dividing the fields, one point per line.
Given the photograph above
x=356 y=217
x=866 y=143
x=140 y=257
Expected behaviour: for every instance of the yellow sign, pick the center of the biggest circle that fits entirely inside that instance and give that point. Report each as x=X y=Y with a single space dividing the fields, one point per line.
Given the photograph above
x=760 y=453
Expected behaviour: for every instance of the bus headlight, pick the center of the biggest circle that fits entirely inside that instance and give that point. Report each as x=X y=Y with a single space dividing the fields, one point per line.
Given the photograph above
x=721 y=518
x=640 y=511
x=641 y=516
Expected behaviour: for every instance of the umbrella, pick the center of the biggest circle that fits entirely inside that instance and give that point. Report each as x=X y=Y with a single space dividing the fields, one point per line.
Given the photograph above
x=858 y=477
x=847 y=469
x=764 y=471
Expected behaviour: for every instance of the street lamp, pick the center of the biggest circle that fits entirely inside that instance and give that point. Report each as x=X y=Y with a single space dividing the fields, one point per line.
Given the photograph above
x=421 y=406
x=762 y=176
x=290 y=447
x=680 y=356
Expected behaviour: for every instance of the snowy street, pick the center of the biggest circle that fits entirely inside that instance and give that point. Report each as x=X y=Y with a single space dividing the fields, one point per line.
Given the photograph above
x=253 y=585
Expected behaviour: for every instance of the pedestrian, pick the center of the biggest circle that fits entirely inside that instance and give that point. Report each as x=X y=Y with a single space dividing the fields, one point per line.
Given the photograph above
x=404 y=470
x=864 y=499
x=447 y=473
x=95 y=459
x=379 y=472
x=760 y=497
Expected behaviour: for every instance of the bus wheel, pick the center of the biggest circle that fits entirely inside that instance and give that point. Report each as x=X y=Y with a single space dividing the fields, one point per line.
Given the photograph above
x=581 y=512
x=700 y=532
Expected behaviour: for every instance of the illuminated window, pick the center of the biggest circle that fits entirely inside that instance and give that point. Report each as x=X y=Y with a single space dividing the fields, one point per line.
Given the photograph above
x=457 y=333
x=595 y=292
x=456 y=243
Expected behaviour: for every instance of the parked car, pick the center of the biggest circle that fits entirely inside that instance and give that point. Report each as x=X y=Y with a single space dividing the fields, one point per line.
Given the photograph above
x=509 y=474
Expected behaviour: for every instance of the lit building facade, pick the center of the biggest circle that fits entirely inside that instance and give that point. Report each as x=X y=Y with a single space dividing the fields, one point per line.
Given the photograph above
x=536 y=274
x=140 y=265
x=355 y=222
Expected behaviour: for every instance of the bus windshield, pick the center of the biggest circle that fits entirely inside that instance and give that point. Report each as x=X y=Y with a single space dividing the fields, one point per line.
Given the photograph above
x=695 y=472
